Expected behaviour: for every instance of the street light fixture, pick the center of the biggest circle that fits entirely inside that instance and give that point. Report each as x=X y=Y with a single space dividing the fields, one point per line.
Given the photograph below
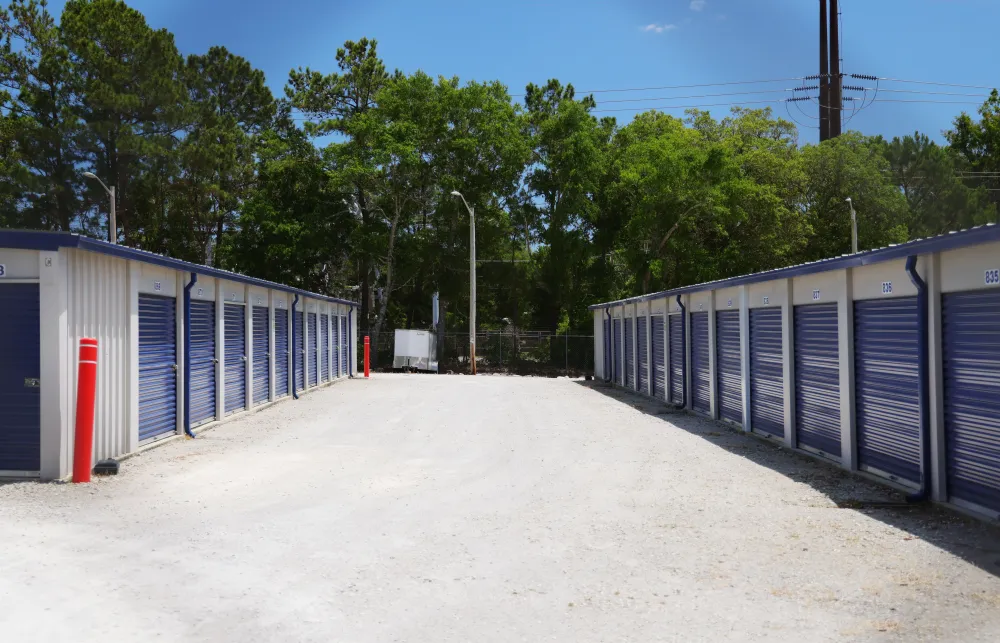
x=112 y=223
x=472 y=280
x=854 y=227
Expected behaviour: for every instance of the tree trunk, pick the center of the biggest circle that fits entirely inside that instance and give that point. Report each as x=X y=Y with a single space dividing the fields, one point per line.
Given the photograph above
x=384 y=304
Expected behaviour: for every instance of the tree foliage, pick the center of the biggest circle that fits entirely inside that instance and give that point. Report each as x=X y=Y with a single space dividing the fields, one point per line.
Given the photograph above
x=344 y=185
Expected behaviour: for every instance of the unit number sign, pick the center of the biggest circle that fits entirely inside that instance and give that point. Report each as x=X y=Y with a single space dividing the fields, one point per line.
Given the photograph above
x=3 y=270
x=992 y=277
x=886 y=287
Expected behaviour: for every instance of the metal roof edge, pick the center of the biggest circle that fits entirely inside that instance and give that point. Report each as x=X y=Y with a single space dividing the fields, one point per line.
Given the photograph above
x=960 y=239
x=53 y=241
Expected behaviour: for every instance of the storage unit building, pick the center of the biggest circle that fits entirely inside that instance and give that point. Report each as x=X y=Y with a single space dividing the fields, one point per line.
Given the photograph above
x=886 y=361
x=180 y=346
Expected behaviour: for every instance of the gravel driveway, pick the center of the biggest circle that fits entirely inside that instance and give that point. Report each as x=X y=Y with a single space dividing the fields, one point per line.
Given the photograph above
x=451 y=508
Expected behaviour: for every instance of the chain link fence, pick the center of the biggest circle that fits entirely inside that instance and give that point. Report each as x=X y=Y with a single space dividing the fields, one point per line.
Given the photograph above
x=516 y=352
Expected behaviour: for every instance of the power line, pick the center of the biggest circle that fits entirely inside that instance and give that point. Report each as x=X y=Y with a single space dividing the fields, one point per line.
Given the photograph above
x=776 y=101
x=646 y=89
x=919 y=82
x=639 y=100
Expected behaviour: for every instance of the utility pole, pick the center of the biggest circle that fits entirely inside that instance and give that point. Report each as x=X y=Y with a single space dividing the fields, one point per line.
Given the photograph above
x=836 y=81
x=824 y=74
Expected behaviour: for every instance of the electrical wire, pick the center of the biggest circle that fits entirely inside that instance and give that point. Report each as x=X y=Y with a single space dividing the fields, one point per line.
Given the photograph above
x=646 y=89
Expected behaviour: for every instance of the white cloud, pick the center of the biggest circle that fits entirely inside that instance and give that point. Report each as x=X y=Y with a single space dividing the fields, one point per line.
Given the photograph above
x=657 y=28
x=698 y=5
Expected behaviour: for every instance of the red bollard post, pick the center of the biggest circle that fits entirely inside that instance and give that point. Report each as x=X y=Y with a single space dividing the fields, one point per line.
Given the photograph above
x=86 y=388
x=367 y=350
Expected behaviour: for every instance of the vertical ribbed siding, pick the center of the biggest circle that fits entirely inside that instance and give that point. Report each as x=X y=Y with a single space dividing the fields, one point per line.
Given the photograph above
x=97 y=306
x=641 y=345
x=345 y=367
x=767 y=376
x=677 y=360
x=971 y=333
x=817 y=378
x=886 y=381
x=700 y=377
x=728 y=365
x=236 y=361
x=261 y=354
x=659 y=357
x=607 y=349
x=313 y=341
x=629 y=353
x=281 y=340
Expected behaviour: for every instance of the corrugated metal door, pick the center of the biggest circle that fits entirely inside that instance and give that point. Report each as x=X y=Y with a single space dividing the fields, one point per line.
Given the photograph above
x=236 y=359
x=659 y=357
x=203 y=362
x=642 y=345
x=677 y=360
x=886 y=380
x=299 y=354
x=261 y=354
x=629 y=353
x=157 y=366
x=336 y=346
x=280 y=353
x=324 y=347
x=767 y=379
x=817 y=378
x=607 y=349
x=700 y=379
x=618 y=350
x=971 y=331
x=20 y=373
x=344 y=340
x=729 y=365
x=313 y=350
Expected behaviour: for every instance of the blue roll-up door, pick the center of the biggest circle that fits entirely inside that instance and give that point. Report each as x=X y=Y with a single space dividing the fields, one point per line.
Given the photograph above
x=618 y=350
x=729 y=366
x=313 y=341
x=202 y=352
x=261 y=354
x=629 y=353
x=299 y=353
x=817 y=378
x=642 y=343
x=344 y=341
x=659 y=357
x=886 y=379
x=324 y=347
x=700 y=379
x=157 y=367
x=236 y=359
x=336 y=346
x=280 y=353
x=971 y=333
x=767 y=379
x=20 y=378
x=677 y=360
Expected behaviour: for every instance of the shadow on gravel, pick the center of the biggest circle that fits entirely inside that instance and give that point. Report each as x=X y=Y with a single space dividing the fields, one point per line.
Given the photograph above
x=972 y=540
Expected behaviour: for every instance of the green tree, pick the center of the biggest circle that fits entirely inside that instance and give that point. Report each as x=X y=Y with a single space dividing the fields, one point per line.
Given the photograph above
x=129 y=94
x=939 y=201
x=977 y=147
x=851 y=165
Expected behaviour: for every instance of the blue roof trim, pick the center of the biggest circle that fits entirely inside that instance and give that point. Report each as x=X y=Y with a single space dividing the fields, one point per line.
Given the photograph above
x=53 y=241
x=961 y=239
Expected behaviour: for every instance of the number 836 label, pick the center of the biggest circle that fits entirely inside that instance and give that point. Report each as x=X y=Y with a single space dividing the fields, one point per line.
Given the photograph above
x=993 y=277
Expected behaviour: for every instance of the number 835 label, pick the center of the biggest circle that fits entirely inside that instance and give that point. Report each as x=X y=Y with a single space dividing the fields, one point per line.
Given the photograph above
x=993 y=277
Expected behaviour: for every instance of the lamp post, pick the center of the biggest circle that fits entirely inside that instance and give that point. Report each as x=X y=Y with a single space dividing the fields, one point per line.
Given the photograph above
x=112 y=223
x=472 y=280
x=854 y=227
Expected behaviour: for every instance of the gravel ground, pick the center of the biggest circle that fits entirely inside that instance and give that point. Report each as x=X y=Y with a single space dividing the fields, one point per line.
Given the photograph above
x=451 y=508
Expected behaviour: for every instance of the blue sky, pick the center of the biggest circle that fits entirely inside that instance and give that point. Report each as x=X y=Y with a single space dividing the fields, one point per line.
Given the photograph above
x=617 y=44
